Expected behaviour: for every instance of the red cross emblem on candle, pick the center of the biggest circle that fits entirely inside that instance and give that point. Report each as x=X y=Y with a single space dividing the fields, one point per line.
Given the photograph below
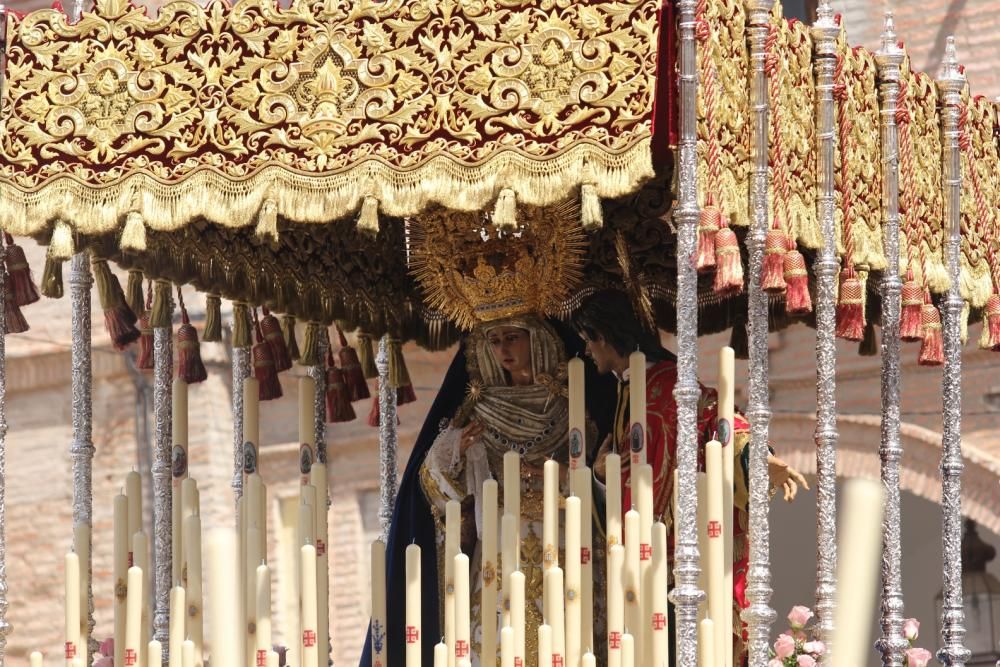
x=320 y=548
x=645 y=551
x=412 y=634
x=261 y=658
x=615 y=639
x=714 y=528
x=130 y=657
x=557 y=660
x=659 y=621
x=584 y=555
x=308 y=637
x=461 y=648
x=518 y=662
x=378 y=663
x=70 y=650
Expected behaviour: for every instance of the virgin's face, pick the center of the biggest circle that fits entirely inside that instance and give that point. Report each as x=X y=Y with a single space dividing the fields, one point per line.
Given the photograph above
x=511 y=347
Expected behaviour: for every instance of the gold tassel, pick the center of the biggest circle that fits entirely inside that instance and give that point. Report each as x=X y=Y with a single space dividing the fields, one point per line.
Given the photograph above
x=399 y=376
x=505 y=213
x=242 y=326
x=267 y=221
x=133 y=295
x=213 y=319
x=134 y=233
x=288 y=331
x=309 y=353
x=366 y=356
x=52 y=283
x=160 y=316
x=61 y=244
x=368 y=218
x=591 y=214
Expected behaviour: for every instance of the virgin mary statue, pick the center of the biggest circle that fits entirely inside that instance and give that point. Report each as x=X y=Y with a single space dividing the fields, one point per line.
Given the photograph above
x=505 y=391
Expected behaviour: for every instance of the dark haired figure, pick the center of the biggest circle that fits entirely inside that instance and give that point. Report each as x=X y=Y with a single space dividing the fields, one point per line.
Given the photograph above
x=609 y=327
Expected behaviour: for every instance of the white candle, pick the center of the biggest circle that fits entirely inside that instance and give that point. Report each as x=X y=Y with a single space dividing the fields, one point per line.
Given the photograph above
x=187 y=654
x=577 y=415
x=463 y=626
x=307 y=421
x=573 y=582
x=628 y=650
x=413 y=602
x=637 y=407
x=307 y=522
x=657 y=630
x=121 y=549
x=706 y=642
x=613 y=508
x=642 y=485
x=262 y=584
x=631 y=582
x=550 y=515
x=72 y=580
x=179 y=471
x=616 y=604
x=584 y=477
x=155 y=654
x=223 y=584
x=715 y=558
x=190 y=499
x=272 y=659
x=133 y=623
x=512 y=484
x=310 y=649
x=489 y=574
x=452 y=547
x=81 y=546
x=36 y=659
x=440 y=655
x=251 y=549
x=857 y=570
x=555 y=616
x=140 y=552
x=544 y=645
x=507 y=650
x=517 y=610
x=724 y=428
x=318 y=479
x=175 y=630
x=589 y=660
x=251 y=412
x=511 y=538
x=378 y=602
x=193 y=590
x=133 y=491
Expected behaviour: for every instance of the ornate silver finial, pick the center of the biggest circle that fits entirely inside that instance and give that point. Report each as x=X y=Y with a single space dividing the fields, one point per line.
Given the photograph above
x=890 y=55
x=759 y=11
x=825 y=30
x=950 y=78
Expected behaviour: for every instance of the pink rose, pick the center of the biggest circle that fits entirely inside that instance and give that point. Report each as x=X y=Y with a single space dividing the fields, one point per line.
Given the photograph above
x=105 y=661
x=814 y=647
x=911 y=629
x=107 y=646
x=784 y=647
x=798 y=635
x=774 y=662
x=806 y=661
x=799 y=616
x=917 y=657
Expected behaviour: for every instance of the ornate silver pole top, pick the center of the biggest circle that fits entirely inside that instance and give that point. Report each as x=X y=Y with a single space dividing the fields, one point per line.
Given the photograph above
x=951 y=76
x=825 y=30
x=890 y=55
x=759 y=11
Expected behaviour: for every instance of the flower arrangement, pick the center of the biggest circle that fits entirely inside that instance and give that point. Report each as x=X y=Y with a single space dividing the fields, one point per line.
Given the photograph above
x=799 y=648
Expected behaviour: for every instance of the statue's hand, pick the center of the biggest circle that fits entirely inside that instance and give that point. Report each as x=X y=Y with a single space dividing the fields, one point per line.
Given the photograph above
x=470 y=434
x=785 y=477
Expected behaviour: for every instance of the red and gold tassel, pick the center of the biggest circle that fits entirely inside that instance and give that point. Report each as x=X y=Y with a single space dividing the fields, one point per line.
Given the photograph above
x=190 y=367
x=354 y=376
x=990 y=338
x=271 y=328
x=264 y=369
x=338 y=403
x=374 y=416
x=119 y=320
x=728 y=263
x=797 y=299
x=19 y=274
x=850 y=307
x=708 y=227
x=912 y=302
x=772 y=278
x=932 y=347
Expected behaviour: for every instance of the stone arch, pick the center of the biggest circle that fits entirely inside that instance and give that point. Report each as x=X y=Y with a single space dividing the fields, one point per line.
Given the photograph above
x=857 y=456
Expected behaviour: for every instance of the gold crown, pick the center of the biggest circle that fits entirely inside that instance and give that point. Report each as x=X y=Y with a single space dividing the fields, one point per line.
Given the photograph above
x=473 y=273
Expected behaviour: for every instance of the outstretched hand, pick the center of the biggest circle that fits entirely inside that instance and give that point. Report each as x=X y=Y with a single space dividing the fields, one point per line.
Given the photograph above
x=470 y=434
x=785 y=477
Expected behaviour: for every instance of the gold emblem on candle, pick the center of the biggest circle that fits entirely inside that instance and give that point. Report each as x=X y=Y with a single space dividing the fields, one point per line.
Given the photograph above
x=489 y=573
x=549 y=556
x=121 y=590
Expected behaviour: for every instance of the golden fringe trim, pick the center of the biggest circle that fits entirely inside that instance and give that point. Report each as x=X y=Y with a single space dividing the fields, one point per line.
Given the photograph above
x=134 y=233
x=320 y=199
x=61 y=245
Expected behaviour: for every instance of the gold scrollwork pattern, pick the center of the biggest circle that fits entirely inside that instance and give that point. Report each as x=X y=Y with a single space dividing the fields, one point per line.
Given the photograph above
x=209 y=111
x=977 y=212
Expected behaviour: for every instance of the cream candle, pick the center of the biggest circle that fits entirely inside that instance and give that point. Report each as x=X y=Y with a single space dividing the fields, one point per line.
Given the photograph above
x=489 y=574
x=251 y=550
x=508 y=654
x=642 y=477
x=555 y=616
x=544 y=645
x=175 y=629
x=378 y=619
x=584 y=477
x=223 y=585
x=318 y=479
x=133 y=491
x=631 y=582
x=517 y=610
x=577 y=415
x=550 y=515
x=573 y=582
x=120 y=564
x=613 y=507
x=307 y=426
x=187 y=654
x=133 y=622
x=72 y=615
x=36 y=659
x=193 y=590
x=714 y=559
x=724 y=430
x=615 y=604
x=657 y=630
x=510 y=535
x=512 y=484
x=262 y=586
x=637 y=407
x=628 y=650
x=154 y=653
x=251 y=412
x=706 y=642
x=309 y=645
x=140 y=552
x=81 y=546
x=452 y=547
x=463 y=627
x=589 y=660
x=440 y=655
x=413 y=602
